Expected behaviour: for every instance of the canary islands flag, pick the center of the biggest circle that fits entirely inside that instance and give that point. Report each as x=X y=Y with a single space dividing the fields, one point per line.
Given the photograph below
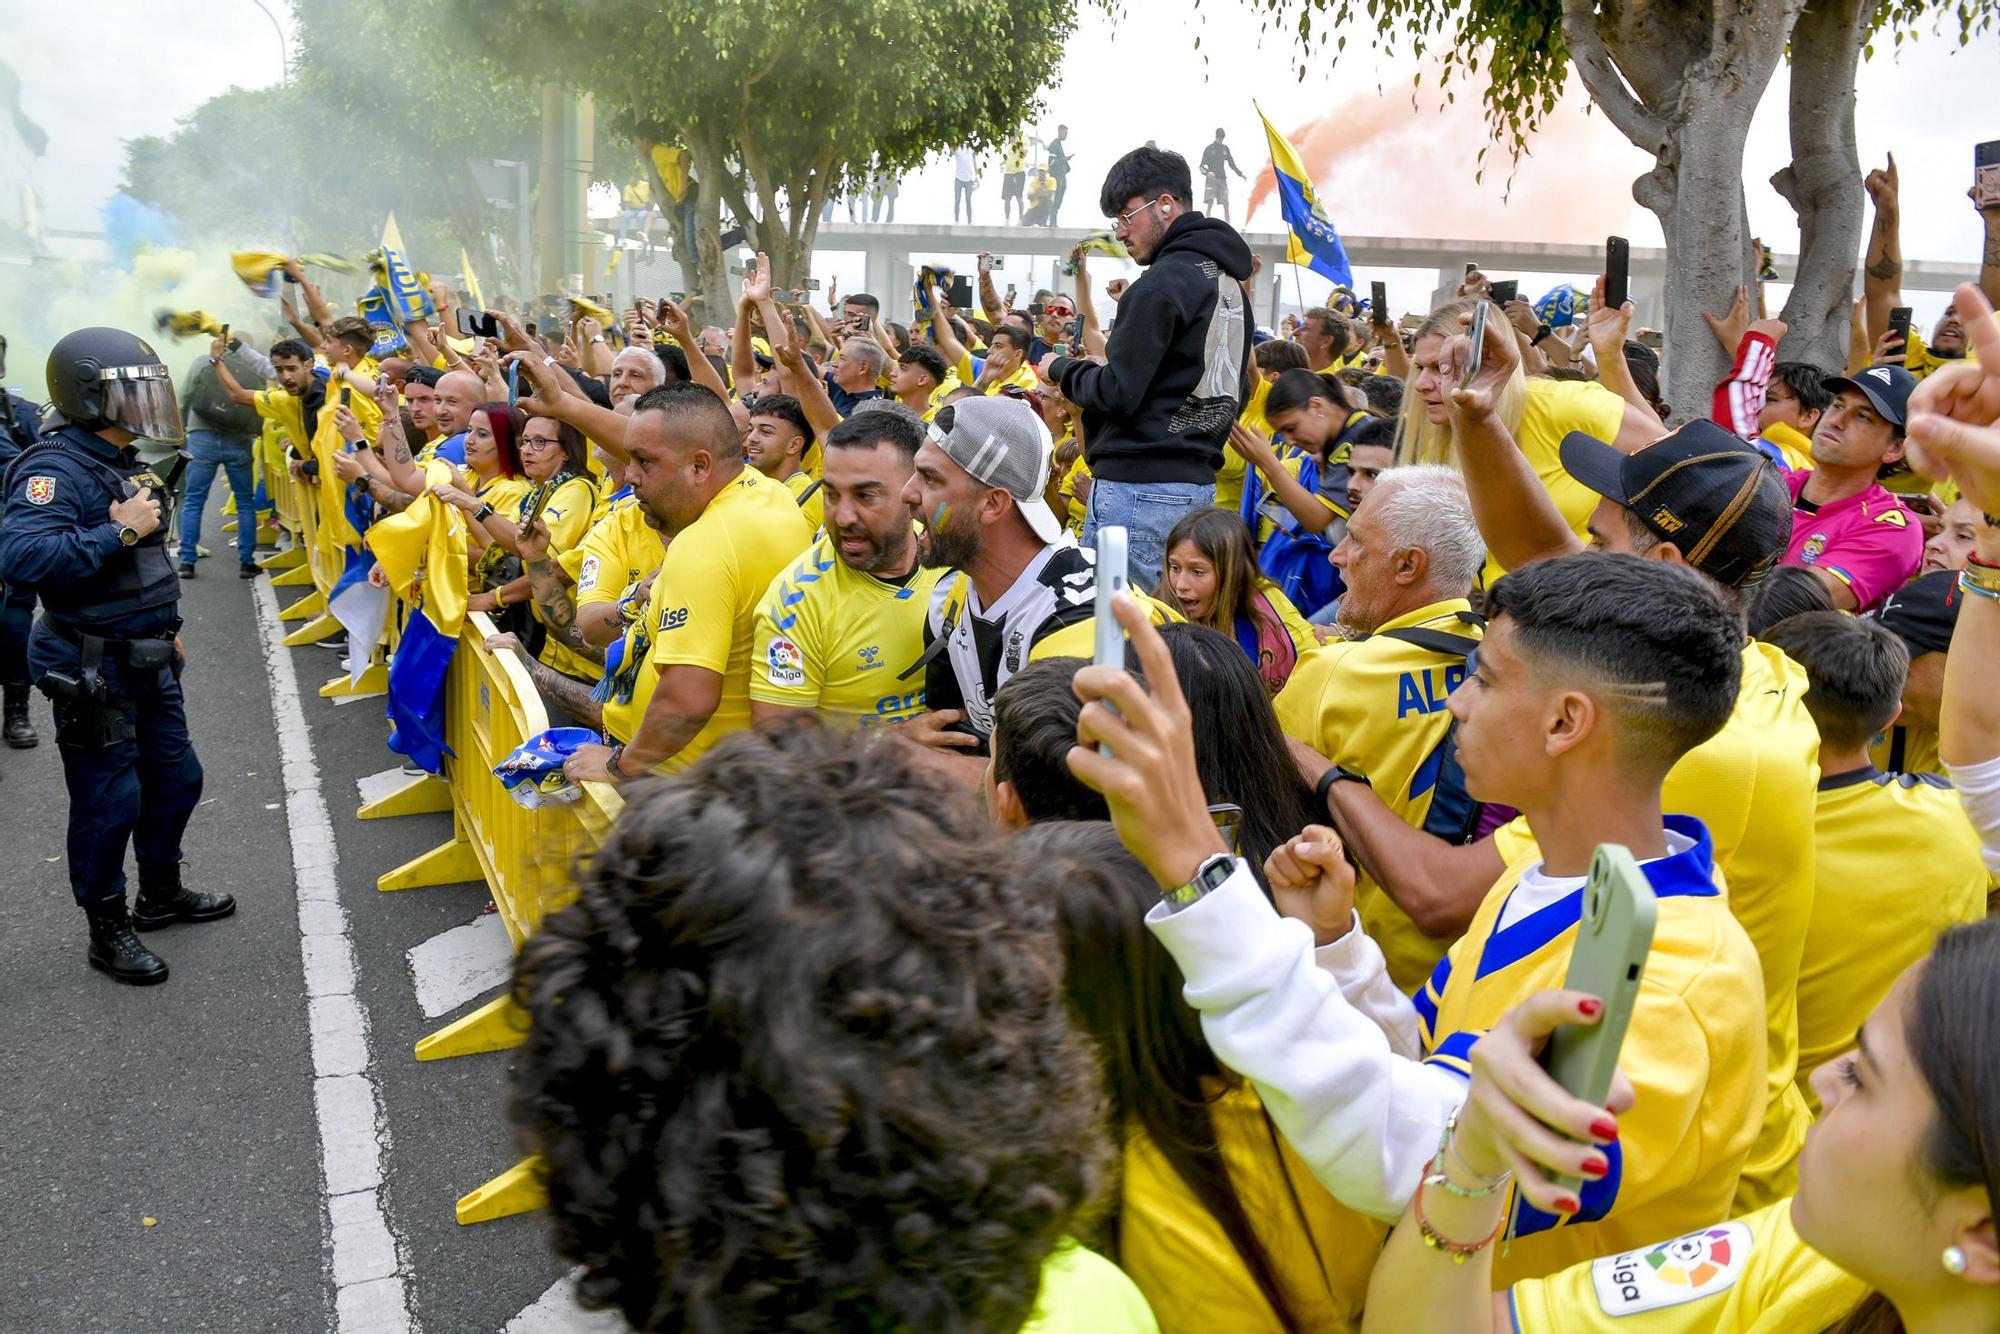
x=1314 y=242
x=422 y=551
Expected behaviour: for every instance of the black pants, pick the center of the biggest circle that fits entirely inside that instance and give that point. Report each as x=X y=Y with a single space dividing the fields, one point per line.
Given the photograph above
x=17 y=619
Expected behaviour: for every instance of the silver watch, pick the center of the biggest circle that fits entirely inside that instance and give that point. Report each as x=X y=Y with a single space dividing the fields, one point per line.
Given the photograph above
x=1208 y=878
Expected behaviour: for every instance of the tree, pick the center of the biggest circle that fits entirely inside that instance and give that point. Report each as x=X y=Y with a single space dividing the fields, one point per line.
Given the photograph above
x=1680 y=79
x=368 y=123
x=782 y=103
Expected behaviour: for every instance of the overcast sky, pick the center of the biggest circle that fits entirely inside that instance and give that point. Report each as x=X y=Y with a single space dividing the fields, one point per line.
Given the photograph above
x=140 y=65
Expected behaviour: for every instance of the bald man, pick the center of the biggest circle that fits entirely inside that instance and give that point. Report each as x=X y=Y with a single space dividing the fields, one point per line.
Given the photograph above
x=458 y=393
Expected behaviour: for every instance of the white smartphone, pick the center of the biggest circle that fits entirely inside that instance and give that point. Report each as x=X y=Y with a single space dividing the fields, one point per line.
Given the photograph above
x=1111 y=577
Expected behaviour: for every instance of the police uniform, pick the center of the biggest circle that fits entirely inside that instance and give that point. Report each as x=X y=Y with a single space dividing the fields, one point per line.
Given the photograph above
x=20 y=427
x=104 y=649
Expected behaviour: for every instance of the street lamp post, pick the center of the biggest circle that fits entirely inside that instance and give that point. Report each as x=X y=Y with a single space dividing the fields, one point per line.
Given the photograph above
x=284 y=47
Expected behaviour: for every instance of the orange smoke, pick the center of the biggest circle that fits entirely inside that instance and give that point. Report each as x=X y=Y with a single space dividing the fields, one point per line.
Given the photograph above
x=1383 y=166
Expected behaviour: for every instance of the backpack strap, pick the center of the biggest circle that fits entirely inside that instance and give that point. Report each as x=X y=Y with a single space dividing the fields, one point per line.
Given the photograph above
x=1440 y=641
x=954 y=604
x=810 y=491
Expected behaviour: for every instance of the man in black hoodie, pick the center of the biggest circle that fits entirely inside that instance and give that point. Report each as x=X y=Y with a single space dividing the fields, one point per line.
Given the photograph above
x=1177 y=366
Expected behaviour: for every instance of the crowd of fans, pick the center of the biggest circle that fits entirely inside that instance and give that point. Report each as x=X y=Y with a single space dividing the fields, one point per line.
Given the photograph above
x=948 y=980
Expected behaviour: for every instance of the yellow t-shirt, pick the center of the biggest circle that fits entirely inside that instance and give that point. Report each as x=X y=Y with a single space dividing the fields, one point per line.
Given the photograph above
x=812 y=507
x=1794 y=444
x=1907 y=750
x=1554 y=409
x=1022 y=378
x=1377 y=706
x=1751 y=1275
x=1075 y=508
x=831 y=638
x=505 y=495
x=617 y=552
x=1694 y=1051
x=1229 y=477
x=1192 y=1274
x=1084 y=1293
x=282 y=407
x=1870 y=921
x=1753 y=785
x=705 y=598
x=567 y=515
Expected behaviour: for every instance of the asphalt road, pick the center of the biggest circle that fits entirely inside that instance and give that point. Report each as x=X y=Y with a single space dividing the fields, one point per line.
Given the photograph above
x=192 y=1104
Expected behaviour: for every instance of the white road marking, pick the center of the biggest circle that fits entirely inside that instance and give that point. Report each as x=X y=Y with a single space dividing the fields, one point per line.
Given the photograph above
x=452 y=967
x=366 y=1265
x=556 y=1312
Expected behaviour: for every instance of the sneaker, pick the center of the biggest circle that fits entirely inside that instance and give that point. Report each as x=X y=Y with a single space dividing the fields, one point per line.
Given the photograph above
x=338 y=644
x=187 y=569
x=247 y=572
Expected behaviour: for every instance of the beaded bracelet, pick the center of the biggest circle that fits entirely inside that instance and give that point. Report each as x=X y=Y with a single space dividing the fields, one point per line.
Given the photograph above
x=1437 y=1241
x=1978 y=588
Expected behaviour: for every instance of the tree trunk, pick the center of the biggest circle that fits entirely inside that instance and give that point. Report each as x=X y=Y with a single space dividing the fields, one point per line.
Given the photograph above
x=1823 y=181
x=1693 y=115
x=707 y=283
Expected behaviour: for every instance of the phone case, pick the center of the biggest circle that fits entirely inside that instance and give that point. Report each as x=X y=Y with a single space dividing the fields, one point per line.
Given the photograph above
x=1986 y=173
x=1111 y=577
x=1613 y=937
x=1617 y=271
x=1475 y=344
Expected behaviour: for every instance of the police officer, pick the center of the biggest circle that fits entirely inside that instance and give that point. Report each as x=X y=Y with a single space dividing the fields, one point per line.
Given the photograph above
x=82 y=528
x=20 y=427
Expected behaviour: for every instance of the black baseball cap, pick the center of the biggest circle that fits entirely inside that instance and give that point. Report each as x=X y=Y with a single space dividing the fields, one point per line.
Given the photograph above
x=1702 y=488
x=1923 y=612
x=1888 y=388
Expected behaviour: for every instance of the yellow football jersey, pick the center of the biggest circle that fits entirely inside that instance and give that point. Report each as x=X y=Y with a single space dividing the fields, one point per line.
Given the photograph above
x=618 y=551
x=806 y=493
x=1872 y=918
x=1377 y=706
x=1753 y=785
x=1191 y=1273
x=1694 y=1050
x=705 y=598
x=567 y=516
x=1751 y=1275
x=1554 y=409
x=1907 y=750
x=834 y=639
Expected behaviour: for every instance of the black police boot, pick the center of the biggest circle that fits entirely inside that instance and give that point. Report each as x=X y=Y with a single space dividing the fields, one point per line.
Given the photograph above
x=115 y=950
x=162 y=900
x=18 y=731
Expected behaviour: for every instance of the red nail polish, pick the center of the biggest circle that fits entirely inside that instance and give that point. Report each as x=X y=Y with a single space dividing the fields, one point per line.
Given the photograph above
x=1569 y=1204
x=1596 y=1167
x=1604 y=1127
x=1591 y=1007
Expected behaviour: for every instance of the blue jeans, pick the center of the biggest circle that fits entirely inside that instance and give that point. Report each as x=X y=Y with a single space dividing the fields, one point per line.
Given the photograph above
x=208 y=451
x=139 y=791
x=1147 y=511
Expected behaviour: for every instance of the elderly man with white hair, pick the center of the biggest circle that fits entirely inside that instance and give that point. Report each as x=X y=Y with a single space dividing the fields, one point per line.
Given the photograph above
x=633 y=371
x=1372 y=705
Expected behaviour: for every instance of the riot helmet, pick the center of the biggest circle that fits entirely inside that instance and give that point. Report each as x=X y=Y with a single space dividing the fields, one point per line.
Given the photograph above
x=107 y=377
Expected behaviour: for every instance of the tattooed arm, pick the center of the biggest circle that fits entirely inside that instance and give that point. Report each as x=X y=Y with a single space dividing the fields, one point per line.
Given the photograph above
x=1883 y=268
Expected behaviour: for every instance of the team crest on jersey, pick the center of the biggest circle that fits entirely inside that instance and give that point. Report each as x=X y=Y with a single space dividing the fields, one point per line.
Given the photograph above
x=1686 y=1269
x=784 y=665
x=1014 y=646
x=1814 y=548
x=41 y=490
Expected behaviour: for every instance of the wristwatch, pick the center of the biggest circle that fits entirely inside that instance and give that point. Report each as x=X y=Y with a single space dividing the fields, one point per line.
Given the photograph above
x=484 y=513
x=611 y=768
x=1541 y=332
x=1336 y=774
x=128 y=535
x=1208 y=877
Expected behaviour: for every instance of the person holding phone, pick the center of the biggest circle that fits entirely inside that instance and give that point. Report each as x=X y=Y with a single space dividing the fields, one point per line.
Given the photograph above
x=1597 y=672
x=1891 y=1229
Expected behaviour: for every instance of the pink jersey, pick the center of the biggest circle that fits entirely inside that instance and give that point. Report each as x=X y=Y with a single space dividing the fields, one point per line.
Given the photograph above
x=1867 y=541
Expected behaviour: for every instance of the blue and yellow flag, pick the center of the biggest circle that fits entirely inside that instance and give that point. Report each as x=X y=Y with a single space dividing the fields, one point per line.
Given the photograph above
x=422 y=551
x=1559 y=306
x=263 y=271
x=1314 y=242
x=401 y=286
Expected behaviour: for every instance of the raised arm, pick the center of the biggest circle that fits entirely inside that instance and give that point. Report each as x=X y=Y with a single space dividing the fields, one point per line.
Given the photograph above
x=675 y=321
x=942 y=331
x=1089 y=332
x=316 y=307
x=1311 y=512
x=989 y=296
x=1882 y=287
x=237 y=393
x=1608 y=329
x=603 y=426
x=821 y=415
x=1511 y=506
x=742 y=356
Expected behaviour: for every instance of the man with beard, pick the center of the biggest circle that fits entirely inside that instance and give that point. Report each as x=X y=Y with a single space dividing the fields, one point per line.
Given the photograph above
x=838 y=630
x=1021 y=589
x=730 y=530
x=1373 y=703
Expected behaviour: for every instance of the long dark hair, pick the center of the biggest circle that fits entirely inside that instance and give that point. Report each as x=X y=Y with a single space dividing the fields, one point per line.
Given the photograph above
x=1224 y=539
x=1952 y=1032
x=1125 y=992
x=1242 y=754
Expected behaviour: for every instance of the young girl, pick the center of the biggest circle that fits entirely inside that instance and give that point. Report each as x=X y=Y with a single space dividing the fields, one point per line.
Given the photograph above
x=1211 y=577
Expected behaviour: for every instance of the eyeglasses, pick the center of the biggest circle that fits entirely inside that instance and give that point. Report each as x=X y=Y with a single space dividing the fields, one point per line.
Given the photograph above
x=1125 y=219
x=541 y=441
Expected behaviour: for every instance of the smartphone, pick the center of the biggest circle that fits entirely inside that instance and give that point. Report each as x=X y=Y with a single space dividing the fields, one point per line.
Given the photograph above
x=1986 y=173
x=1475 y=355
x=225 y=338
x=812 y=284
x=1471 y=267
x=1505 y=292
x=864 y=324
x=1035 y=309
x=1613 y=937
x=1111 y=578
x=477 y=324
x=1270 y=507
x=1229 y=823
x=996 y=263
x=1617 y=270
x=346 y=394
x=1378 y=302
x=1899 y=324
x=960 y=295
x=513 y=382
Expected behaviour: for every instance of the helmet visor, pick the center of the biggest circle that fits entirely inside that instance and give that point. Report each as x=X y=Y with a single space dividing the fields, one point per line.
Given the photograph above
x=140 y=399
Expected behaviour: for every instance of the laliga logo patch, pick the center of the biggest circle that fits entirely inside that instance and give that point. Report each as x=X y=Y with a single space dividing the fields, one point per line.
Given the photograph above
x=586 y=577
x=1685 y=1269
x=41 y=490
x=784 y=665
